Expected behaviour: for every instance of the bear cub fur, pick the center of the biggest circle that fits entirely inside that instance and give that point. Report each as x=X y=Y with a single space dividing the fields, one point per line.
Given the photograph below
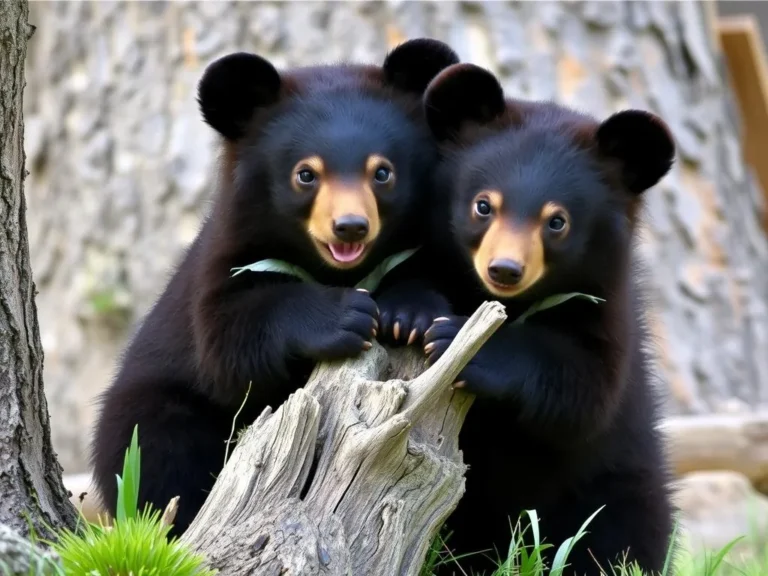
x=537 y=200
x=322 y=167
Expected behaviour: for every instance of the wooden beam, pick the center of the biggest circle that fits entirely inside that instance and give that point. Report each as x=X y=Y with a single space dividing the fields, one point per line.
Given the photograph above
x=744 y=51
x=711 y=19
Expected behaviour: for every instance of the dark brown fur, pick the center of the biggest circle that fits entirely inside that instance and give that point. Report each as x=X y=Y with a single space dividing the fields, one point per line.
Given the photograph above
x=565 y=411
x=210 y=335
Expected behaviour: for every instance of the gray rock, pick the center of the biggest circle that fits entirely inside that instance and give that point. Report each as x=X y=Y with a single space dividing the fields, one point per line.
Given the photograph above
x=719 y=507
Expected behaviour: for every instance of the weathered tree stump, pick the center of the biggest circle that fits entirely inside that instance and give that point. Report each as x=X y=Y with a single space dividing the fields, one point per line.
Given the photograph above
x=353 y=474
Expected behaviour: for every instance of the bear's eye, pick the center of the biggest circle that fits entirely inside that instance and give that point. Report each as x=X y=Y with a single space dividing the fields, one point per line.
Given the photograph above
x=557 y=223
x=382 y=175
x=305 y=177
x=483 y=208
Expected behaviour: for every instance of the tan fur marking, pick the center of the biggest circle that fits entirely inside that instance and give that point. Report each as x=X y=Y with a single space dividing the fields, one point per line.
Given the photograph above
x=314 y=163
x=523 y=245
x=551 y=209
x=493 y=197
x=376 y=161
x=335 y=199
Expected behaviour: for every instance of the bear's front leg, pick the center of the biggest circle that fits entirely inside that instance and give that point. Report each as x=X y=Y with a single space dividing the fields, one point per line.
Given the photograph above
x=557 y=384
x=260 y=334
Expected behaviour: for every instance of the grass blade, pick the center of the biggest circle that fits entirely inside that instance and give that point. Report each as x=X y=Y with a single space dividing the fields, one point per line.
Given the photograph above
x=128 y=484
x=558 y=564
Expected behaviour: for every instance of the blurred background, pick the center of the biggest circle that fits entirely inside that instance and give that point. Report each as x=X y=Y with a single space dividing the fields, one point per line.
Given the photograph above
x=120 y=168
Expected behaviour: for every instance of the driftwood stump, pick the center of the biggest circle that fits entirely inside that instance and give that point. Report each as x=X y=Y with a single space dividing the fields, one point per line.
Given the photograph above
x=354 y=474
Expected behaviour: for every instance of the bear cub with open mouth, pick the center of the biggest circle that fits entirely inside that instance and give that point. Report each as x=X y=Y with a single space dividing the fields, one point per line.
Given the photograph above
x=324 y=168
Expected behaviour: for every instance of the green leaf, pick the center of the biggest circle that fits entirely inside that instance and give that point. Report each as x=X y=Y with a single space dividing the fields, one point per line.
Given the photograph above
x=128 y=484
x=372 y=281
x=553 y=301
x=120 y=511
x=277 y=266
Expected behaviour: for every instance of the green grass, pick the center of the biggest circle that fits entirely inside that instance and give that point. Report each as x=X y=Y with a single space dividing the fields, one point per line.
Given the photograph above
x=136 y=544
x=526 y=558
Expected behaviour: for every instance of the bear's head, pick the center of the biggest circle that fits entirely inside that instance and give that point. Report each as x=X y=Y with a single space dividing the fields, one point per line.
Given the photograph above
x=323 y=166
x=543 y=199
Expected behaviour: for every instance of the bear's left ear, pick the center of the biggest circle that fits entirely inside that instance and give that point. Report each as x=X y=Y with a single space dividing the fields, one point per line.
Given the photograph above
x=643 y=144
x=412 y=65
x=460 y=94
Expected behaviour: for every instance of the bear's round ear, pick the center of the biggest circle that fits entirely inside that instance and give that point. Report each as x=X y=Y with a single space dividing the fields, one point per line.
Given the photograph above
x=462 y=93
x=412 y=65
x=232 y=88
x=642 y=142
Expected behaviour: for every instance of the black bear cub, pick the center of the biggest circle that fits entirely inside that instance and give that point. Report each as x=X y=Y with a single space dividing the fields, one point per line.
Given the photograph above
x=322 y=168
x=541 y=201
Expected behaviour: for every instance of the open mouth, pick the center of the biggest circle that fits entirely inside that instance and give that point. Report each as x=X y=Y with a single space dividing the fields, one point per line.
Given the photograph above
x=342 y=255
x=346 y=252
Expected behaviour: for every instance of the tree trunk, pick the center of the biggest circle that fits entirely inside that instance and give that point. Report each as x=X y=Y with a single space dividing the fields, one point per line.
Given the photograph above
x=388 y=470
x=31 y=492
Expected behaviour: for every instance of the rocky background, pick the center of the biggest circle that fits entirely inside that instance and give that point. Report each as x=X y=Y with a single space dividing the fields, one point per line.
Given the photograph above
x=120 y=163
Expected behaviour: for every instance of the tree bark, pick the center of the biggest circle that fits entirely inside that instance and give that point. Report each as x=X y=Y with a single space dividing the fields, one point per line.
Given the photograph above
x=387 y=468
x=31 y=490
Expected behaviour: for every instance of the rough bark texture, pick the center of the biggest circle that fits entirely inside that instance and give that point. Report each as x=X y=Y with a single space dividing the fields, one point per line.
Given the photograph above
x=388 y=469
x=30 y=476
x=122 y=166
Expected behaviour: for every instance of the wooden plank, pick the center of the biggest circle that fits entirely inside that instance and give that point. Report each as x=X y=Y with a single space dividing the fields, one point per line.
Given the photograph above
x=748 y=69
x=711 y=19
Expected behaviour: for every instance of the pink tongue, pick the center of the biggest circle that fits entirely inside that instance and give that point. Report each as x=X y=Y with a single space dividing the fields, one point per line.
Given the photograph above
x=346 y=252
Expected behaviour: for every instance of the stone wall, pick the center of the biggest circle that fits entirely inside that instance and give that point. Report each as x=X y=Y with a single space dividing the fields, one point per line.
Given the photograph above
x=120 y=162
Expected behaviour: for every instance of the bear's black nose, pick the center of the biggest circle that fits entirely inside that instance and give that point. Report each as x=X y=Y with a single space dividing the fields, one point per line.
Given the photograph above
x=350 y=228
x=505 y=272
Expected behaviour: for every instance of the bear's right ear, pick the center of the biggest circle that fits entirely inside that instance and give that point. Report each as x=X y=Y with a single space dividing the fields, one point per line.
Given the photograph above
x=462 y=93
x=642 y=142
x=231 y=90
